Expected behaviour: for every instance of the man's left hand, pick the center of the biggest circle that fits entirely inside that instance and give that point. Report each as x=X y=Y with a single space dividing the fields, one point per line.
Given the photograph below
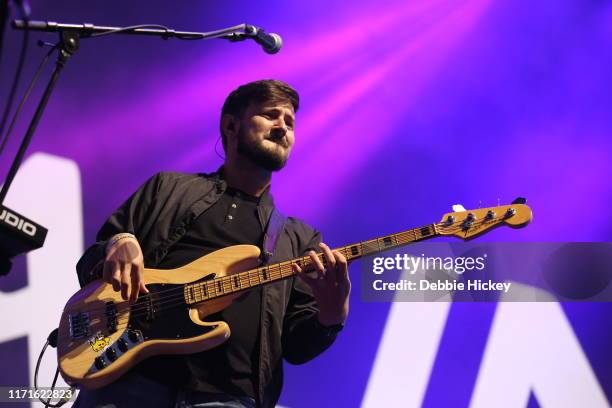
x=331 y=287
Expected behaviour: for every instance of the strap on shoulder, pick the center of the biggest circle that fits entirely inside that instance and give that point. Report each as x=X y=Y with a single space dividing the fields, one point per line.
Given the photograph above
x=273 y=231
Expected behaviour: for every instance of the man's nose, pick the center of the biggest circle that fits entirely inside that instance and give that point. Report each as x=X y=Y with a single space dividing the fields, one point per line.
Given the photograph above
x=278 y=132
x=281 y=127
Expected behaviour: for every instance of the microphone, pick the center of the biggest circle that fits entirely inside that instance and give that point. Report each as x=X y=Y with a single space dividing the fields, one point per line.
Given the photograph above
x=270 y=42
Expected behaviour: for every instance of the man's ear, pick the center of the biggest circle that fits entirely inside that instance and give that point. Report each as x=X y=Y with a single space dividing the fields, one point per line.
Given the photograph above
x=229 y=125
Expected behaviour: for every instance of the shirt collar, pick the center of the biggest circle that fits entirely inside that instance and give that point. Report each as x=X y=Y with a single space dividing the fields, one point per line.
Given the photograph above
x=266 y=199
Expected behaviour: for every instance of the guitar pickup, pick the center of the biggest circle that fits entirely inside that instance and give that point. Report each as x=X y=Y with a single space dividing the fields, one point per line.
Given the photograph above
x=78 y=324
x=111 y=316
x=149 y=307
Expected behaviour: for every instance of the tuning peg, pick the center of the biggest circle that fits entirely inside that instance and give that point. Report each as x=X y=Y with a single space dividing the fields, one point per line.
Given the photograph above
x=458 y=208
x=519 y=200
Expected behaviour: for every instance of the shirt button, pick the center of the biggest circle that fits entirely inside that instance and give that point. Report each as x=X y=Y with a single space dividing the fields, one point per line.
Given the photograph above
x=234 y=205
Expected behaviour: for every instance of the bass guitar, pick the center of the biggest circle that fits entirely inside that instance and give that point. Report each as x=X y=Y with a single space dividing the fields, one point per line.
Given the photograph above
x=101 y=336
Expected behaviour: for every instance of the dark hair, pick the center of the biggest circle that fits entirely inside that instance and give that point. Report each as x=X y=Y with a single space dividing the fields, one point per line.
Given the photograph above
x=266 y=90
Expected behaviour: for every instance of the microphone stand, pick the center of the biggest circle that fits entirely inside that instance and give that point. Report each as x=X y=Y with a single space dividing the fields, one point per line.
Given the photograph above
x=240 y=31
x=70 y=36
x=68 y=44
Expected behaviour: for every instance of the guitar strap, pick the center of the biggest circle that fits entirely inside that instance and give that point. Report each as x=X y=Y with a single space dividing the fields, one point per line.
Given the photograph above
x=273 y=231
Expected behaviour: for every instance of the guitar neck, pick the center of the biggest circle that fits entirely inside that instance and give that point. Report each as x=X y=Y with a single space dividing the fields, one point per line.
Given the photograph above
x=217 y=287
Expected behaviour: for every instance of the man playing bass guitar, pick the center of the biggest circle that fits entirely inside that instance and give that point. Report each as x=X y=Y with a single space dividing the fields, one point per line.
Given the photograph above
x=175 y=218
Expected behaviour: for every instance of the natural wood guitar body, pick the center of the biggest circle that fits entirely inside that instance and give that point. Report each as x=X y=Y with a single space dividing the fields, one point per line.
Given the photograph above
x=171 y=328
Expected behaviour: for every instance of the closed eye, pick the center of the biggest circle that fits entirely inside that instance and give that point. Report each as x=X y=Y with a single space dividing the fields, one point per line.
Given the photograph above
x=273 y=114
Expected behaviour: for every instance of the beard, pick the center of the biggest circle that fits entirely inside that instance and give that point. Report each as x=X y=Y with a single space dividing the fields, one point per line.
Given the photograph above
x=271 y=159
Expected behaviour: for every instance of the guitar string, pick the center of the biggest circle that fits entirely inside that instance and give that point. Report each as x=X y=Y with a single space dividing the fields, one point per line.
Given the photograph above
x=124 y=319
x=225 y=281
x=168 y=300
x=253 y=274
x=179 y=299
x=284 y=267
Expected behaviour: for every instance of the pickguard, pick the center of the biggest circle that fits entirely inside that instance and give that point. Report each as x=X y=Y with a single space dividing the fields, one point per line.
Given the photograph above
x=163 y=314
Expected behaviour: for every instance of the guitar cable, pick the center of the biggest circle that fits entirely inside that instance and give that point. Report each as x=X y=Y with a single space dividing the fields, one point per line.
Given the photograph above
x=51 y=341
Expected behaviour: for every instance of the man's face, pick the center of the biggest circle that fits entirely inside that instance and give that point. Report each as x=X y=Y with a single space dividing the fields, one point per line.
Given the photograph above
x=266 y=134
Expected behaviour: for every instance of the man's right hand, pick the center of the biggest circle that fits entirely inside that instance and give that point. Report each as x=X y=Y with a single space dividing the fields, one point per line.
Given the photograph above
x=124 y=266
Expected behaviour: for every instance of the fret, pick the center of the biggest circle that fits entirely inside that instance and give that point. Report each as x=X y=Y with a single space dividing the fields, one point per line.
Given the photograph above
x=286 y=270
x=190 y=297
x=281 y=268
x=304 y=263
x=370 y=247
x=245 y=276
x=211 y=288
x=344 y=251
x=408 y=236
x=290 y=271
x=196 y=293
x=271 y=272
x=375 y=247
x=228 y=281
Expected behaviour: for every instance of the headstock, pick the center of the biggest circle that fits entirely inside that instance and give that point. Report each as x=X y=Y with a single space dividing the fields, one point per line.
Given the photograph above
x=468 y=224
